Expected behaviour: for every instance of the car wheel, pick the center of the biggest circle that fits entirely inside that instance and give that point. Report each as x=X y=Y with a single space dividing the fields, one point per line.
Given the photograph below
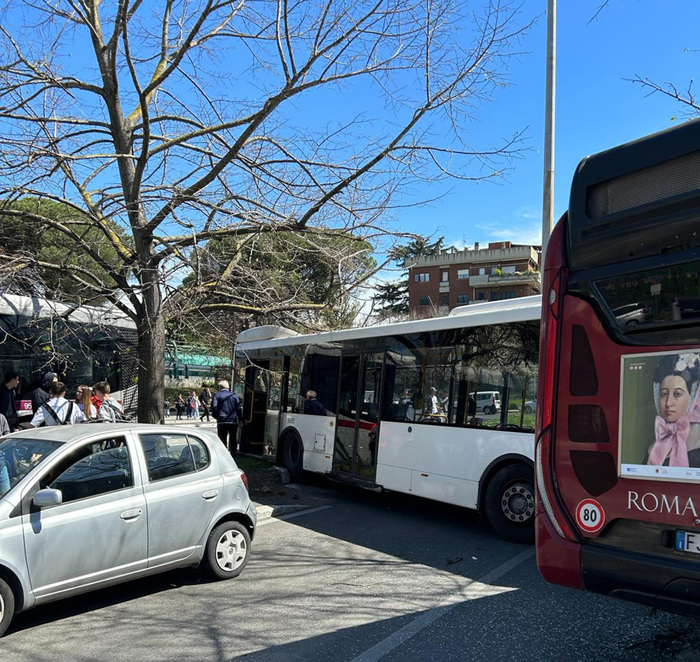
x=528 y=409
x=489 y=410
x=7 y=606
x=293 y=454
x=227 y=550
x=510 y=503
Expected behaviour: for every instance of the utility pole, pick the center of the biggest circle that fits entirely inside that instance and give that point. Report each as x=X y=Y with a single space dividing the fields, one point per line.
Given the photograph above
x=548 y=194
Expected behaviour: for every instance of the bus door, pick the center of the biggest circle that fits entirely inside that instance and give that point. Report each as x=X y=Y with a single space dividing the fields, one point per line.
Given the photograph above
x=255 y=408
x=357 y=424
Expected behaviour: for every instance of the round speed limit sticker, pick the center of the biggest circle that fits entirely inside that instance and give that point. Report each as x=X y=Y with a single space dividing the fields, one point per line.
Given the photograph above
x=590 y=515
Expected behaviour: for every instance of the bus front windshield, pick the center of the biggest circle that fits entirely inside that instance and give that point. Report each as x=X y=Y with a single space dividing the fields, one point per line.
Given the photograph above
x=18 y=456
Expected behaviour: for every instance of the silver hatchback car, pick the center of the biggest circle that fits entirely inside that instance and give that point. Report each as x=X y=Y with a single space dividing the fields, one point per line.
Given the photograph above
x=86 y=506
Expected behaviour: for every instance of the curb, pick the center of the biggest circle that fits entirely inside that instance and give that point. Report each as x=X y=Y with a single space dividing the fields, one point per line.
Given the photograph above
x=268 y=512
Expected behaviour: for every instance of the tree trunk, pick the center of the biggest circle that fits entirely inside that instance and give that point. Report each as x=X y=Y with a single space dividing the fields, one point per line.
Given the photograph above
x=151 y=329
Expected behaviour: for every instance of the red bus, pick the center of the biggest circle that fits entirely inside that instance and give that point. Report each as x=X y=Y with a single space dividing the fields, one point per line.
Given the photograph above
x=618 y=421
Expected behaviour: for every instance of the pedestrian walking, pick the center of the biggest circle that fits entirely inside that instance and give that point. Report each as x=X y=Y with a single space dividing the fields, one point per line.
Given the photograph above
x=205 y=401
x=179 y=407
x=110 y=409
x=57 y=410
x=83 y=398
x=8 y=399
x=227 y=410
x=41 y=394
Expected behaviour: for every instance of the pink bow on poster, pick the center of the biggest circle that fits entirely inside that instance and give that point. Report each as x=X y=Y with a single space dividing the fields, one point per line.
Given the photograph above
x=671 y=440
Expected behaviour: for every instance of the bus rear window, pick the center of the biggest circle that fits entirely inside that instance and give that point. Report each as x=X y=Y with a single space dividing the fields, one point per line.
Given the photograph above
x=665 y=294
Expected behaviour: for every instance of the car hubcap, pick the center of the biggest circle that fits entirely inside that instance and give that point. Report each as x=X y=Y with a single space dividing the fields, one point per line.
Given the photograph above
x=231 y=550
x=518 y=502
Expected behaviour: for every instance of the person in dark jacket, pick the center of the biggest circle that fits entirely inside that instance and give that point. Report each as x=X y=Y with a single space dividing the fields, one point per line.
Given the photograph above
x=41 y=394
x=227 y=410
x=314 y=406
x=8 y=399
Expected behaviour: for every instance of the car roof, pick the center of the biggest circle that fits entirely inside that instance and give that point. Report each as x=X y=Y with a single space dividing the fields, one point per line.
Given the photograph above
x=82 y=431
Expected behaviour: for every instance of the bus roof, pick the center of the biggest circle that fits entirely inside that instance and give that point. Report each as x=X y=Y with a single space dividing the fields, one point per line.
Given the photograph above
x=522 y=309
x=36 y=308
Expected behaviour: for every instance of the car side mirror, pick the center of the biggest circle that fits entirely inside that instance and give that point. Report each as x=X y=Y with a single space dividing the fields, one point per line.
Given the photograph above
x=47 y=497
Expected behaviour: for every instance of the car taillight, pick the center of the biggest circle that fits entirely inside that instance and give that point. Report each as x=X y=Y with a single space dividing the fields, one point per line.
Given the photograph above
x=244 y=478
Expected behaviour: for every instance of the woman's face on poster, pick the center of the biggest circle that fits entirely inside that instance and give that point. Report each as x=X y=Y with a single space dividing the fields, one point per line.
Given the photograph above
x=673 y=398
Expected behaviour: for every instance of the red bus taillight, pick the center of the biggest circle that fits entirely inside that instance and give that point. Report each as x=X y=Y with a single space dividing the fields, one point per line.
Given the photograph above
x=546 y=389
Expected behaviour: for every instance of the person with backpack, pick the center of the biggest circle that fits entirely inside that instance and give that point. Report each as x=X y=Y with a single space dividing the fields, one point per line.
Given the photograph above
x=110 y=410
x=42 y=393
x=227 y=410
x=58 y=410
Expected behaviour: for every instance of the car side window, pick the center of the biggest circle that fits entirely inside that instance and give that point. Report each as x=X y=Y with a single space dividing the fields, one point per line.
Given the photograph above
x=93 y=469
x=199 y=452
x=167 y=455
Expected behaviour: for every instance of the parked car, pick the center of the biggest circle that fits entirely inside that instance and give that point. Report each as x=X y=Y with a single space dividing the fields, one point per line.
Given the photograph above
x=530 y=406
x=90 y=505
x=488 y=402
x=633 y=313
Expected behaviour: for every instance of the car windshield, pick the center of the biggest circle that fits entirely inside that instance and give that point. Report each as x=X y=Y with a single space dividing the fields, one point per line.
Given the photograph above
x=18 y=457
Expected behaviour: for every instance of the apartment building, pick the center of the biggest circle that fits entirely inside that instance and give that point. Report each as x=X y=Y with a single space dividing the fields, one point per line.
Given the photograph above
x=501 y=271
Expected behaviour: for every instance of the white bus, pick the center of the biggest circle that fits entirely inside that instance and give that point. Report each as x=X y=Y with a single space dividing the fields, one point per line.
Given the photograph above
x=400 y=412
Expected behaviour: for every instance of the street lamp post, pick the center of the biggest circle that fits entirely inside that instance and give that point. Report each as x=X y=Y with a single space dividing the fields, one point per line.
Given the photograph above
x=548 y=193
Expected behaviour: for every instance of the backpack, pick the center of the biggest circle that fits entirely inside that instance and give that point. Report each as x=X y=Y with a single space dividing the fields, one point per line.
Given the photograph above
x=116 y=415
x=54 y=415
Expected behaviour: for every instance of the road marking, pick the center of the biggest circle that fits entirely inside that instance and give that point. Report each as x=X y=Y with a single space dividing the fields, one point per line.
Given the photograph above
x=272 y=518
x=427 y=618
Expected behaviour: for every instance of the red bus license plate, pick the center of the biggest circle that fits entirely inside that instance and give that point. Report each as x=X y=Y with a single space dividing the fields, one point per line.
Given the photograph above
x=688 y=541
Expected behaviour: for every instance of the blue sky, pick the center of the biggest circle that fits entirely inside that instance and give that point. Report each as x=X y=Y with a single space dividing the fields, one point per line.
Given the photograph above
x=596 y=109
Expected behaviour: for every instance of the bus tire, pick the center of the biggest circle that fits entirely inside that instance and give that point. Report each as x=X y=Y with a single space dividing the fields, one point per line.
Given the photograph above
x=293 y=454
x=510 y=503
x=7 y=606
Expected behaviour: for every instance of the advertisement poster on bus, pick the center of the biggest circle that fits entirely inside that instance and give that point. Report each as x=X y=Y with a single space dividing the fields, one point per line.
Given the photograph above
x=660 y=416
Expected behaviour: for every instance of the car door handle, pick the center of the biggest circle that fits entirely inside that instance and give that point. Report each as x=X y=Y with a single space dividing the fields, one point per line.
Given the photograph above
x=211 y=494
x=131 y=514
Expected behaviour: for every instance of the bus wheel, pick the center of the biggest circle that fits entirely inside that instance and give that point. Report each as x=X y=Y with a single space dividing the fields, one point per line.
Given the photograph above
x=293 y=454
x=510 y=503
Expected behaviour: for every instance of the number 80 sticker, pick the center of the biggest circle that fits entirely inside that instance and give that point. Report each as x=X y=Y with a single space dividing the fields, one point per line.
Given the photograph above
x=590 y=515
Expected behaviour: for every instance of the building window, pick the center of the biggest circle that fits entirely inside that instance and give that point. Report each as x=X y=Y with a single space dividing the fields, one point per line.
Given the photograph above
x=423 y=301
x=422 y=278
x=481 y=296
x=508 y=295
x=462 y=273
x=482 y=271
x=494 y=296
x=444 y=300
x=445 y=276
x=508 y=270
x=462 y=298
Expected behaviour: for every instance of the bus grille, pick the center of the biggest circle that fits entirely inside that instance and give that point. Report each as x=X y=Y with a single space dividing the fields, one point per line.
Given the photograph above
x=596 y=471
x=641 y=187
x=587 y=424
x=583 y=378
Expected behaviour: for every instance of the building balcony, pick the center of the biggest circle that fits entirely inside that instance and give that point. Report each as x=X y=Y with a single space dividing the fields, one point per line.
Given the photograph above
x=522 y=278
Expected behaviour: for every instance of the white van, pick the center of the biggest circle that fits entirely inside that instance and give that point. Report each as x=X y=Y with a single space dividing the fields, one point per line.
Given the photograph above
x=488 y=402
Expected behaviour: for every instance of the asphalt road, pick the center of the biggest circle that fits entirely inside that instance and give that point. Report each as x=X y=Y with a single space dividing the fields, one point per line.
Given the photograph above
x=357 y=577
